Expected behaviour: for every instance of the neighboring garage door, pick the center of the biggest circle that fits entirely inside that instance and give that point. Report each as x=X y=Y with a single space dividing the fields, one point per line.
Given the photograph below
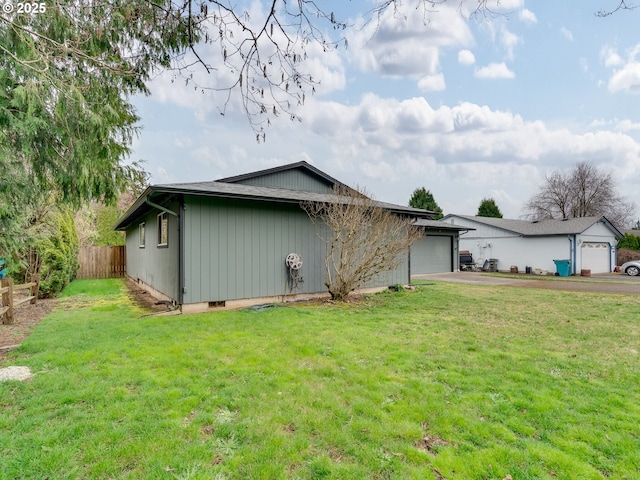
x=431 y=255
x=595 y=257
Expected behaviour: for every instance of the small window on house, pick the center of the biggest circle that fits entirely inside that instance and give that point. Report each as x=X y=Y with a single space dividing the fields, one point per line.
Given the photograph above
x=163 y=230
x=142 y=235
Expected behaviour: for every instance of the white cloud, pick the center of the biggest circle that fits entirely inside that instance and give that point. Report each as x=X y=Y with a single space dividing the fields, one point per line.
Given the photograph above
x=494 y=71
x=408 y=45
x=460 y=134
x=626 y=78
x=527 y=16
x=462 y=152
x=466 y=57
x=432 y=83
x=510 y=41
x=498 y=30
x=465 y=147
x=627 y=125
x=205 y=92
x=566 y=33
x=504 y=5
x=610 y=57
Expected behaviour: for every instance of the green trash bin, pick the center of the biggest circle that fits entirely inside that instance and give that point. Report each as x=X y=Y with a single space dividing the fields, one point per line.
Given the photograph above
x=563 y=267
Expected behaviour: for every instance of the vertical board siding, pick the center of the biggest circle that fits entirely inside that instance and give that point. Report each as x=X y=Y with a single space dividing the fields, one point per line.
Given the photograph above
x=236 y=249
x=292 y=180
x=157 y=267
x=101 y=262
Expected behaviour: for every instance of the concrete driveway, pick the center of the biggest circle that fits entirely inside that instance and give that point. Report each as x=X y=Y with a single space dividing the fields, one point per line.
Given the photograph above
x=600 y=283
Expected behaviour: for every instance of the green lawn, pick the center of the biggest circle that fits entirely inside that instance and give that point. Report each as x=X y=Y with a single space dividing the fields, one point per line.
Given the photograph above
x=444 y=382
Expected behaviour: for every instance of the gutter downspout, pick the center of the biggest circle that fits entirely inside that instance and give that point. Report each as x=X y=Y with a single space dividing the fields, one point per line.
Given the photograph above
x=181 y=232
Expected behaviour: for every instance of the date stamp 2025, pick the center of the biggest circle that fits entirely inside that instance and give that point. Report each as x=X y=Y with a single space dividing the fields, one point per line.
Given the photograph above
x=23 y=8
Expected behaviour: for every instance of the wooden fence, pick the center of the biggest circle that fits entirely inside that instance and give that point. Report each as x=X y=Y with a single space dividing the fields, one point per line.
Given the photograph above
x=101 y=262
x=8 y=291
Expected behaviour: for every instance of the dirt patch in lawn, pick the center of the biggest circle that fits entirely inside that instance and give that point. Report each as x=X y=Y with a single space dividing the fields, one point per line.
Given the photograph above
x=144 y=299
x=25 y=317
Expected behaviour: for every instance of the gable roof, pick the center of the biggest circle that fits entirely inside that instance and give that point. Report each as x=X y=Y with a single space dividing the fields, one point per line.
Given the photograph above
x=302 y=166
x=527 y=228
x=239 y=191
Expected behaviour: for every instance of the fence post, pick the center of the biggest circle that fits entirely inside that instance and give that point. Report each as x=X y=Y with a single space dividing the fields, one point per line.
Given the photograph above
x=7 y=300
x=35 y=278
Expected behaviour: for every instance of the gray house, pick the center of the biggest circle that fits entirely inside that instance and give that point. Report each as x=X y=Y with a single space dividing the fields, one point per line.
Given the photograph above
x=225 y=243
x=588 y=242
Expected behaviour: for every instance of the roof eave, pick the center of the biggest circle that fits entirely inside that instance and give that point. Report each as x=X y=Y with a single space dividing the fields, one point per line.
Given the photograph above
x=122 y=223
x=616 y=232
x=135 y=211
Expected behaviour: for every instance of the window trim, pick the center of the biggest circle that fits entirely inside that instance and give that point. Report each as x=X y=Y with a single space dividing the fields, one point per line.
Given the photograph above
x=163 y=217
x=142 y=235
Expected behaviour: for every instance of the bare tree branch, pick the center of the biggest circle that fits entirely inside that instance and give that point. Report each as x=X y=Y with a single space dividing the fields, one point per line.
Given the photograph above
x=623 y=5
x=582 y=192
x=362 y=239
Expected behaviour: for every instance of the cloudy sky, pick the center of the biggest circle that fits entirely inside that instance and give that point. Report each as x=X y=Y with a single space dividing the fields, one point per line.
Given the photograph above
x=468 y=107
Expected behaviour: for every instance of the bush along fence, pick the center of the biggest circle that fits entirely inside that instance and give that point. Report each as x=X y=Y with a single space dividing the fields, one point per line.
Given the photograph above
x=8 y=291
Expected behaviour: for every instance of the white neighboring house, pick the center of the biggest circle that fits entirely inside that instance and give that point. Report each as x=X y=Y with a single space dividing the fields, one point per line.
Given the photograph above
x=588 y=242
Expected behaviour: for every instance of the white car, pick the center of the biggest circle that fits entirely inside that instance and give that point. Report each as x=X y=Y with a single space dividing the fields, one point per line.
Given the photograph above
x=631 y=268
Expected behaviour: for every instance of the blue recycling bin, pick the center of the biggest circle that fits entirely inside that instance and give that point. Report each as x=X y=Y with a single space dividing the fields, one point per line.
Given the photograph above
x=3 y=271
x=563 y=267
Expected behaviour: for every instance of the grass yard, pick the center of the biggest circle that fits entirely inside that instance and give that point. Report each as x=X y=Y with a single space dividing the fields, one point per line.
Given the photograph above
x=444 y=382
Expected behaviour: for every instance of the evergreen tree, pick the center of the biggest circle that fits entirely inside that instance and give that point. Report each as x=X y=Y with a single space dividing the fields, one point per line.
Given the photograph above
x=423 y=198
x=106 y=218
x=488 y=208
x=57 y=252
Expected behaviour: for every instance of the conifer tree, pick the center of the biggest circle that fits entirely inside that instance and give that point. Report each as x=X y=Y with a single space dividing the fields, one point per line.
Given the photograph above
x=488 y=208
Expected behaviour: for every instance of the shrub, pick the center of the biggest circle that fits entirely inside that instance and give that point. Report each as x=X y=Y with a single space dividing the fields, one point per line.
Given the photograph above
x=57 y=250
x=629 y=241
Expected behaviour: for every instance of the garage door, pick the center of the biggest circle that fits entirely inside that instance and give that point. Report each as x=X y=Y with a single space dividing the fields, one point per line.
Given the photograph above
x=431 y=255
x=595 y=257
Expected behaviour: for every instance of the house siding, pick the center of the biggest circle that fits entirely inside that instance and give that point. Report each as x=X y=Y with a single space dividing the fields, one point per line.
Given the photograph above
x=522 y=252
x=292 y=180
x=236 y=250
x=598 y=233
x=153 y=265
x=536 y=251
